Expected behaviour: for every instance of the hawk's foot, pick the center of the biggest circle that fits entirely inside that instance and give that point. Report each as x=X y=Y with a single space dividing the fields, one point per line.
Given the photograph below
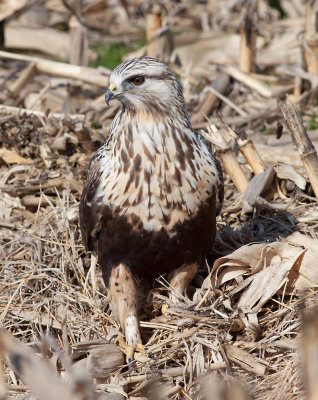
x=129 y=350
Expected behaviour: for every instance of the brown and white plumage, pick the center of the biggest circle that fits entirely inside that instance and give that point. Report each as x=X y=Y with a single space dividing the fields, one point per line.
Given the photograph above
x=149 y=203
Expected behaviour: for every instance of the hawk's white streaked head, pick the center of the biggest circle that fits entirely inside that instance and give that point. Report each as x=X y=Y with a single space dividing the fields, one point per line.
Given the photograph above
x=146 y=84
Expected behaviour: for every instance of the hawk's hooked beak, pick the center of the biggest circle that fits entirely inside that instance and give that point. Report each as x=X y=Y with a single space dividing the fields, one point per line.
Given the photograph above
x=110 y=93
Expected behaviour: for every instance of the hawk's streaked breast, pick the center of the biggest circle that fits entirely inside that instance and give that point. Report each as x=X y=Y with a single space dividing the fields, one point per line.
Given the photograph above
x=160 y=172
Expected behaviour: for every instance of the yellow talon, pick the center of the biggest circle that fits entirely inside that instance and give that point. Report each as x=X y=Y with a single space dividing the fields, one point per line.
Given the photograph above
x=119 y=338
x=129 y=350
x=140 y=347
x=164 y=309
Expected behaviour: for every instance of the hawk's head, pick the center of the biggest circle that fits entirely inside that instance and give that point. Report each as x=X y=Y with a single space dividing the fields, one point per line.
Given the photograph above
x=146 y=84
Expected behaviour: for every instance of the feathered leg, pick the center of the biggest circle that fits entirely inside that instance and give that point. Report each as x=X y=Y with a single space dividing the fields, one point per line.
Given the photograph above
x=179 y=279
x=122 y=296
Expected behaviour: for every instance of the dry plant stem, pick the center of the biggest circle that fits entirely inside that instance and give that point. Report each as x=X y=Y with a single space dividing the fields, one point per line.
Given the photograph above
x=302 y=141
x=229 y=161
x=26 y=75
x=252 y=157
x=248 y=38
x=21 y=190
x=19 y=36
x=9 y=110
x=20 y=11
x=248 y=80
x=311 y=38
x=153 y=23
x=85 y=74
x=297 y=88
x=36 y=201
x=239 y=120
x=39 y=96
x=233 y=168
x=79 y=50
x=228 y=102
x=248 y=150
x=179 y=71
x=171 y=372
x=93 y=273
x=244 y=359
x=220 y=83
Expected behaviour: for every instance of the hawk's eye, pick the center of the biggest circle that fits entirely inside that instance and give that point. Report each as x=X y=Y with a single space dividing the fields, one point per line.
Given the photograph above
x=137 y=80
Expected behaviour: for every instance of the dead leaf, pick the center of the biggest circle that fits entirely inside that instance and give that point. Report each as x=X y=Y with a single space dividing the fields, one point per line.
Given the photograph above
x=266 y=283
x=250 y=258
x=253 y=258
x=285 y=171
x=262 y=269
x=306 y=275
x=12 y=157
